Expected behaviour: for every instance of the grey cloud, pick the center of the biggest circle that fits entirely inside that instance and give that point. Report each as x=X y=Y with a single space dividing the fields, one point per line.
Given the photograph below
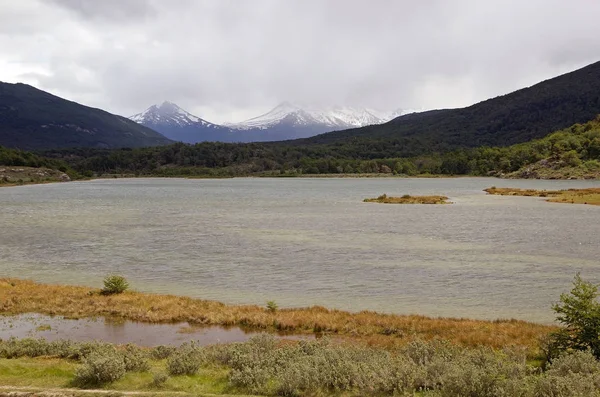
x=226 y=57
x=108 y=10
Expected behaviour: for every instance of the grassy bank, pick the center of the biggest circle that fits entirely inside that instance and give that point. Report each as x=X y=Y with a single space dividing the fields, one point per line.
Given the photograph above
x=408 y=199
x=23 y=296
x=589 y=196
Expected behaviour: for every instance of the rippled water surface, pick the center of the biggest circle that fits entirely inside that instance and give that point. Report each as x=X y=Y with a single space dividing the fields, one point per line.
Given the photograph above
x=308 y=241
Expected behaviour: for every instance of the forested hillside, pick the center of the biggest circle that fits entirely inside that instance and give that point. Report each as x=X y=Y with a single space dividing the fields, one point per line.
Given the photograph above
x=517 y=117
x=34 y=119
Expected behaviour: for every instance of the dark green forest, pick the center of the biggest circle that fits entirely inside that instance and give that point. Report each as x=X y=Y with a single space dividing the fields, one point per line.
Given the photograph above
x=20 y=158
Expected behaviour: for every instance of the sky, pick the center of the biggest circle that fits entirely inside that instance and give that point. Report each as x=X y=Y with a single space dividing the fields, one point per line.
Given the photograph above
x=229 y=60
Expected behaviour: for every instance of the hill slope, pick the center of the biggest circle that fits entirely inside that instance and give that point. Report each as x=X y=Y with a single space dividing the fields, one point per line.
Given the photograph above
x=34 y=119
x=517 y=117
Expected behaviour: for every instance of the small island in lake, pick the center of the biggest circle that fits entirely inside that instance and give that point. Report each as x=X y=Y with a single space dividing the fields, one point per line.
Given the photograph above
x=572 y=196
x=408 y=199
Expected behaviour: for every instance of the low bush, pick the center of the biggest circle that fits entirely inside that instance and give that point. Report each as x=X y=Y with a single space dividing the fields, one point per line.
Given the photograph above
x=28 y=347
x=162 y=352
x=186 y=360
x=100 y=368
x=159 y=379
x=135 y=359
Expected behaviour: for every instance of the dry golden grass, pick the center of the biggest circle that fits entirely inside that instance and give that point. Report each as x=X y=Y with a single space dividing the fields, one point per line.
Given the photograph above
x=23 y=296
x=572 y=196
x=408 y=199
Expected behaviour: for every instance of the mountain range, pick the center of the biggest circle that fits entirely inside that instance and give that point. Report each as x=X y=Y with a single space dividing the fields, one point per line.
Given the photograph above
x=34 y=119
x=284 y=122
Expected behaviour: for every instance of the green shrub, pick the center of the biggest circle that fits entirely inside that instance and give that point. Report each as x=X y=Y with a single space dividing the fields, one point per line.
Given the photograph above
x=579 y=312
x=135 y=359
x=28 y=347
x=159 y=379
x=272 y=306
x=99 y=368
x=62 y=348
x=484 y=373
x=186 y=360
x=576 y=362
x=161 y=352
x=572 y=385
x=115 y=284
x=84 y=349
x=592 y=165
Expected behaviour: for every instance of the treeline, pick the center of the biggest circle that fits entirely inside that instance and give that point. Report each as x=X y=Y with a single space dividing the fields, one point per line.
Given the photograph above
x=20 y=158
x=577 y=146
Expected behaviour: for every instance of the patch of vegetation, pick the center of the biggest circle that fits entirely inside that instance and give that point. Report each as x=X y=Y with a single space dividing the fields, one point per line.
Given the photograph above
x=99 y=368
x=263 y=366
x=186 y=360
x=114 y=284
x=18 y=168
x=572 y=196
x=374 y=328
x=272 y=306
x=408 y=199
x=579 y=313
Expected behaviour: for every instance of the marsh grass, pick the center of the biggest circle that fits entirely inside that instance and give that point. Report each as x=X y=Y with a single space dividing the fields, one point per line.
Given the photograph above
x=408 y=199
x=571 y=196
x=366 y=327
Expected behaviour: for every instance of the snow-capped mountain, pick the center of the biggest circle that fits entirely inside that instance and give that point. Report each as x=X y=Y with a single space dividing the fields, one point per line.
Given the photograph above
x=286 y=121
x=325 y=119
x=178 y=124
x=168 y=113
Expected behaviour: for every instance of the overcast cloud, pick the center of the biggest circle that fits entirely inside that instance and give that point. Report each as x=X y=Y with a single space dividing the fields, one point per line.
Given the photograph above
x=229 y=60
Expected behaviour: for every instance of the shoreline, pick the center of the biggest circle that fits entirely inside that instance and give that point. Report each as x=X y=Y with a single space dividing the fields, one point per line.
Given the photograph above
x=300 y=176
x=19 y=296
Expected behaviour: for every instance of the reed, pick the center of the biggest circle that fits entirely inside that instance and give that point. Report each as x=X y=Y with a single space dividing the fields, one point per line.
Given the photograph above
x=367 y=327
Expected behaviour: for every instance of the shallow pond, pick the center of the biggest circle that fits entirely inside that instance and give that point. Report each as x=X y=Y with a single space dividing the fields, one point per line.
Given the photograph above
x=308 y=241
x=121 y=332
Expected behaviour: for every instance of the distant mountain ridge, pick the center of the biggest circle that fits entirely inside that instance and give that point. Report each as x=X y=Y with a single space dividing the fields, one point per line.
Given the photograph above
x=34 y=119
x=330 y=117
x=286 y=121
x=520 y=116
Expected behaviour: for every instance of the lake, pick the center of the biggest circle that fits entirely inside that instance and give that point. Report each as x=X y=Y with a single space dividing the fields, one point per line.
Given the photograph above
x=304 y=241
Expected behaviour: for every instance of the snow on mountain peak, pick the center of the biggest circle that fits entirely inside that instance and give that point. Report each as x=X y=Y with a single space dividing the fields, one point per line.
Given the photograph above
x=331 y=117
x=168 y=113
